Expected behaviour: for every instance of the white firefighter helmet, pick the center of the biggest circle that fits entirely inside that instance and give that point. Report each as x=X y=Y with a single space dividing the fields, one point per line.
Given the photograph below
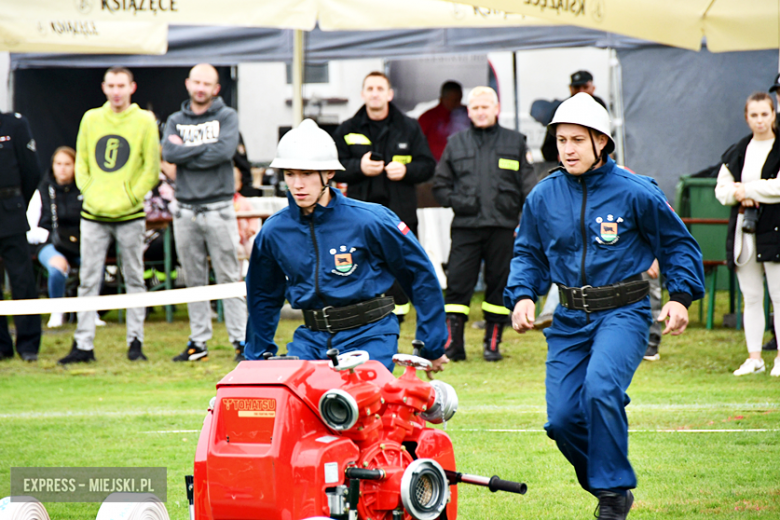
x=307 y=147
x=581 y=109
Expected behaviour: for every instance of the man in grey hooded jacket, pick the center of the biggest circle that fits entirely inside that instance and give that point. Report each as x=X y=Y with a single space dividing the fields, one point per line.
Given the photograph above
x=200 y=140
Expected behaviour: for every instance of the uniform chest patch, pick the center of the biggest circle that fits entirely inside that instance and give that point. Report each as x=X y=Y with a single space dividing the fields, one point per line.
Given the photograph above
x=342 y=260
x=609 y=229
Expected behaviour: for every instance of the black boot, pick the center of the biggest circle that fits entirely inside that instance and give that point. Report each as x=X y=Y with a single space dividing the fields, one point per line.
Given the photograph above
x=492 y=340
x=455 y=348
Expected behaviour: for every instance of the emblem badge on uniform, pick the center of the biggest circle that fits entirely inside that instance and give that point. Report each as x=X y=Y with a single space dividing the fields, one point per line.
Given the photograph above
x=608 y=233
x=344 y=262
x=342 y=258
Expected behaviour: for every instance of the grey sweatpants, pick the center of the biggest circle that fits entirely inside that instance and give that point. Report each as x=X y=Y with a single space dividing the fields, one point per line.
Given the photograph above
x=210 y=231
x=95 y=239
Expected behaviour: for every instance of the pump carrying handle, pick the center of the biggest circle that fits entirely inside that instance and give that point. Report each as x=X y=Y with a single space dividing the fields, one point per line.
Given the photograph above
x=405 y=360
x=492 y=483
x=347 y=360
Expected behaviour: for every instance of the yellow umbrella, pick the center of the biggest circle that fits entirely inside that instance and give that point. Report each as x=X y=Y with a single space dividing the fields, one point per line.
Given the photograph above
x=83 y=36
x=728 y=25
x=286 y=14
x=335 y=15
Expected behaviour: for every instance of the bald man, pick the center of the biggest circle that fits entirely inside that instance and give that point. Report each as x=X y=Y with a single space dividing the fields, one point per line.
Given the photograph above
x=200 y=140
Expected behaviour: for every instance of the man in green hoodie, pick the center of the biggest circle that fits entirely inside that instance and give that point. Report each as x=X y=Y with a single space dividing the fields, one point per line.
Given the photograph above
x=117 y=163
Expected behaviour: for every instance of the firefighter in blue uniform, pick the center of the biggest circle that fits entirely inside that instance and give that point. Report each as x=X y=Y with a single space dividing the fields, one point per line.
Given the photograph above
x=592 y=228
x=335 y=258
x=20 y=174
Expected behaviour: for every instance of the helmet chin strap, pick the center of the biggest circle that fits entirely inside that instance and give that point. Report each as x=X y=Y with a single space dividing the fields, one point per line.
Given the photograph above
x=595 y=153
x=322 y=191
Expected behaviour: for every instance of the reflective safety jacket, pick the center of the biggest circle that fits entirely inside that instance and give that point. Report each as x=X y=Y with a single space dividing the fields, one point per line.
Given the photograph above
x=597 y=229
x=342 y=254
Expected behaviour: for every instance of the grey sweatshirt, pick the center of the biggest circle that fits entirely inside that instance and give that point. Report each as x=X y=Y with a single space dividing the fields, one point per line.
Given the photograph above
x=204 y=167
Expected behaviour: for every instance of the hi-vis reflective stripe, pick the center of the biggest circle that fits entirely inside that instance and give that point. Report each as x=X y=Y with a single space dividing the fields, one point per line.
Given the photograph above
x=456 y=309
x=351 y=139
x=403 y=159
x=495 y=309
x=509 y=164
x=402 y=310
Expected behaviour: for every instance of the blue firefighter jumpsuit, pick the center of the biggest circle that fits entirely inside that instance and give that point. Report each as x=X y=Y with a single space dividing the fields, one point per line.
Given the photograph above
x=295 y=258
x=597 y=229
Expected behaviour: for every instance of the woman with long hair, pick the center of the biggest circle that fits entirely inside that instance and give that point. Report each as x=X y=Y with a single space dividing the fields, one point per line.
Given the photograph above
x=748 y=182
x=57 y=227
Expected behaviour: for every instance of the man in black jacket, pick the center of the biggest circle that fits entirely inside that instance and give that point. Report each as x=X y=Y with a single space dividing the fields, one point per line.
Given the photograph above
x=20 y=174
x=484 y=177
x=385 y=155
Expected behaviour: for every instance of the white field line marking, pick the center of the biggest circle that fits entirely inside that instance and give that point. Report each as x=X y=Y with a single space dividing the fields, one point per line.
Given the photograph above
x=731 y=407
x=98 y=413
x=538 y=430
x=173 y=431
x=635 y=407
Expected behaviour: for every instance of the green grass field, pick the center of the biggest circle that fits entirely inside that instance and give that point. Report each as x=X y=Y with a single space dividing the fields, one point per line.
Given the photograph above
x=117 y=413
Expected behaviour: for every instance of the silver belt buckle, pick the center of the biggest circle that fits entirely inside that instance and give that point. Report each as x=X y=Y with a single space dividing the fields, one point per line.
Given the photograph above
x=584 y=297
x=325 y=317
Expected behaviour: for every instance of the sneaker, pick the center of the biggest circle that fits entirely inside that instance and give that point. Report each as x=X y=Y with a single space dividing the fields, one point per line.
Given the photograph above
x=55 y=320
x=77 y=356
x=239 y=346
x=193 y=352
x=770 y=345
x=651 y=354
x=29 y=356
x=614 y=506
x=776 y=370
x=134 y=351
x=99 y=322
x=750 y=366
x=543 y=321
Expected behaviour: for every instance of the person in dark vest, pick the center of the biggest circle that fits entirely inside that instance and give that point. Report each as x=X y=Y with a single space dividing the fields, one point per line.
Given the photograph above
x=484 y=177
x=20 y=174
x=748 y=182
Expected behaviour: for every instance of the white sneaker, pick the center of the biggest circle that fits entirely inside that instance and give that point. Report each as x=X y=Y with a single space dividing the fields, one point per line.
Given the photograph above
x=99 y=322
x=55 y=320
x=751 y=366
x=776 y=371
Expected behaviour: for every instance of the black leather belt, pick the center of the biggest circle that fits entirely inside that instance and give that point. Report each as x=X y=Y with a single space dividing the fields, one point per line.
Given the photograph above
x=7 y=193
x=335 y=319
x=592 y=299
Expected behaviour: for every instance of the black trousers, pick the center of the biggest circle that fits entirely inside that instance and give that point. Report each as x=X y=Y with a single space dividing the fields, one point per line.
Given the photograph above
x=398 y=294
x=469 y=248
x=16 y=256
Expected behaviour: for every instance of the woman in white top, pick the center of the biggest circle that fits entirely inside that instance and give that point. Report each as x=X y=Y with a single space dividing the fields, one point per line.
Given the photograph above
x=748 y=181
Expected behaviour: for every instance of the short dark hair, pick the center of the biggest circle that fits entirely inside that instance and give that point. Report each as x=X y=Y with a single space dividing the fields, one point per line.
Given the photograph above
x=451 y=87
x=760 y=96
x=377 y=74
x=119 y=70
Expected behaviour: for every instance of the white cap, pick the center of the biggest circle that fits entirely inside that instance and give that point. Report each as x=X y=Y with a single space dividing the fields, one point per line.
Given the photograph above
x=307 y=147
x=581 y=109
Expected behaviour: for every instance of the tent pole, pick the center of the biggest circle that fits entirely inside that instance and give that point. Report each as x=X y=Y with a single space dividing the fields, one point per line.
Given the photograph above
x=517 y=91
x=617 y=96
x=297 y=78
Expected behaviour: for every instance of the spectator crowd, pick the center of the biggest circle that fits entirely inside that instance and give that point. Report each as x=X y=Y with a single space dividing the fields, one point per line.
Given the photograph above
x=95 y=201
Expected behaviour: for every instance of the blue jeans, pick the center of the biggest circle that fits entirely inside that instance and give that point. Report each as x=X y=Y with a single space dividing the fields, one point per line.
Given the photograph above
x=57 y=278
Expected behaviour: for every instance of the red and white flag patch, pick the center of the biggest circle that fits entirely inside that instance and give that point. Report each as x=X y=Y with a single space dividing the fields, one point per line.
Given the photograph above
x=403 y=227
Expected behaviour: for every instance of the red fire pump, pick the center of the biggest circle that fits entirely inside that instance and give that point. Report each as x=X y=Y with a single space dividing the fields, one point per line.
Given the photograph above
x=286 y=439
